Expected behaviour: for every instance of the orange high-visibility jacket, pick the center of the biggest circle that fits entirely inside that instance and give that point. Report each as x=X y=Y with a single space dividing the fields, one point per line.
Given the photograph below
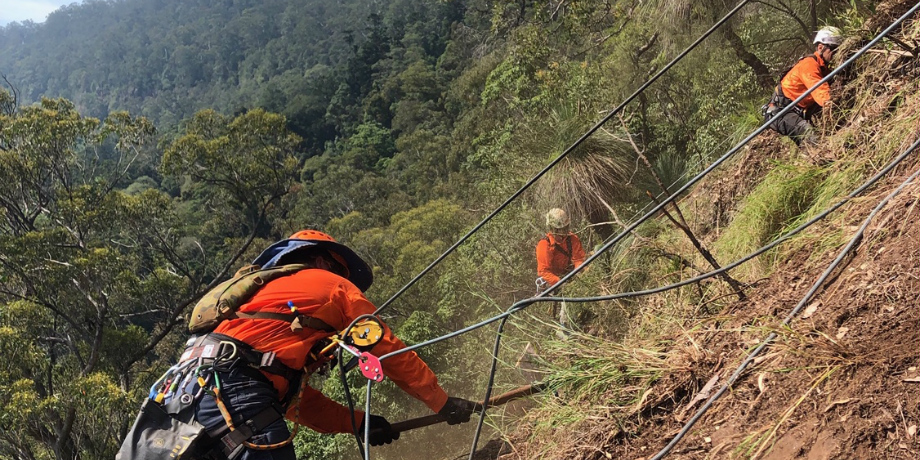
x=804 y=75
x=337 y=302
x=556 y=256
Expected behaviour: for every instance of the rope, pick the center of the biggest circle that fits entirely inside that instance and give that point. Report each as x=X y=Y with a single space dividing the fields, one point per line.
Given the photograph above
x=543 y=297
x=362 y=445
x=367 y=421
x=795 y=311
x=492 y=371
x=565 y=153
x=522 y=304
x=351 y=406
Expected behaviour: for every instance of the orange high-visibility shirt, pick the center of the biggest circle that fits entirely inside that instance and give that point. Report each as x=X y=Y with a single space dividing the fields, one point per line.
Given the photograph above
x=804 y=75
x=337 y=302
x=556 y=255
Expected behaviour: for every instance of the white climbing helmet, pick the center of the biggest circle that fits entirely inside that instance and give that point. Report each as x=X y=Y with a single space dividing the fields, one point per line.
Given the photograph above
x=830 y=36
x=557 y=218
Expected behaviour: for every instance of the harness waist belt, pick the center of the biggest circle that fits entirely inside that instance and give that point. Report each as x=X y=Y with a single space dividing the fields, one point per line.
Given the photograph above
x=223 y=348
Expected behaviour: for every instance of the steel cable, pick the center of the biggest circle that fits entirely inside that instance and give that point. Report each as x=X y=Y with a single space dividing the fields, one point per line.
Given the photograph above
x=565 y=153
x=673 y=196
x=526 y=302
x=522 y=304
x=543 y=296
x=795 y=311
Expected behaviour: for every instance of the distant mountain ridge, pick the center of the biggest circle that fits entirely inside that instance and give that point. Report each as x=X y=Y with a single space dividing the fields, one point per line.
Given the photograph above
x=169 y=58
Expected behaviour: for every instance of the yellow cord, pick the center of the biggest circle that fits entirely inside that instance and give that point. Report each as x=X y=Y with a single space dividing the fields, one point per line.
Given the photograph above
x=290 y=439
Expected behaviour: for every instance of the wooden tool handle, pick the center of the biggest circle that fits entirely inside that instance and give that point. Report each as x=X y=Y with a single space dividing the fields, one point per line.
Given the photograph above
x=433 y=419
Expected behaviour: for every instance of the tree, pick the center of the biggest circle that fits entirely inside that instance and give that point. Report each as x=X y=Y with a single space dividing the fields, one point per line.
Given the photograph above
x=93 y=280
x=240 y=167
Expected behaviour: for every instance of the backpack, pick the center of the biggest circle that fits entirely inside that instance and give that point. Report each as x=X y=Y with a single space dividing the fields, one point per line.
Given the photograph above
x=224 y=300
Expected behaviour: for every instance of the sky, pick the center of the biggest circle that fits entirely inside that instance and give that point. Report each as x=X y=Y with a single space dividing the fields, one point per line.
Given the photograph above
x=36 y=10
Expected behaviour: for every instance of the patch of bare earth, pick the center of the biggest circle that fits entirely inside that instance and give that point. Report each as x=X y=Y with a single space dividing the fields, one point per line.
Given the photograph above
x=841 y=382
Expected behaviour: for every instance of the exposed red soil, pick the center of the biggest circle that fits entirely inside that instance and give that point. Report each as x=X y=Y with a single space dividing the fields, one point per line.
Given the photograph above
x=864 y=328
x=840 y=383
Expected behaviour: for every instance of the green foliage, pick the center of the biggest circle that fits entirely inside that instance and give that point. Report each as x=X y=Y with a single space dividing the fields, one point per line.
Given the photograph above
x=779 y=200
x=393 y=125
x=408 y=244
x=93 y=279
x=597 y=175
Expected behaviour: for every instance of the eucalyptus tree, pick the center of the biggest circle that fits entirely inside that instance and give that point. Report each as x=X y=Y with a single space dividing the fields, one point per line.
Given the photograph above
x=93 y=280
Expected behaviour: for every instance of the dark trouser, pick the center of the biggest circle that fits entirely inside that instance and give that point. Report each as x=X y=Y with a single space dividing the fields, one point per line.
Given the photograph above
x=246 y=396
x=795 y=127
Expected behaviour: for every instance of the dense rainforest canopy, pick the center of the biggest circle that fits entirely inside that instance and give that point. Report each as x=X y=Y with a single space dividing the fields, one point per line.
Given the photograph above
x=148 y=148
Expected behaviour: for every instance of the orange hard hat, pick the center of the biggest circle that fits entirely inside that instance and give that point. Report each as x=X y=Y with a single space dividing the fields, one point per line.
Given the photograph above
x=312 y=235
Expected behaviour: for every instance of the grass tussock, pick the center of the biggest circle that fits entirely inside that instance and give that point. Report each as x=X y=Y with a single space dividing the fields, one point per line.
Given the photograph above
x=777 y=202
x=609 y=380
x=594 y=178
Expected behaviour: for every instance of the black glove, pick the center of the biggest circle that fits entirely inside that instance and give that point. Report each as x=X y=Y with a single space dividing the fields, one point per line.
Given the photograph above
x=457 y=410
x=381 y=431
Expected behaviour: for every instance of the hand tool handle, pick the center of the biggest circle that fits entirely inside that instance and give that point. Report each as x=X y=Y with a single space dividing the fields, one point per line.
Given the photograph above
x=433 y=419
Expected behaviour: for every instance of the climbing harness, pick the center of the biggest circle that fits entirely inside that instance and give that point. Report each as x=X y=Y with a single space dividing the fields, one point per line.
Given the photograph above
x=234 y=438
x=357 y=338
x=166 y=426
x=566 y=250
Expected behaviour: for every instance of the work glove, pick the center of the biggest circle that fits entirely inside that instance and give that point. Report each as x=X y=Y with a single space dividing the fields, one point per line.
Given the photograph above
x=457 y=410
x=381 y=431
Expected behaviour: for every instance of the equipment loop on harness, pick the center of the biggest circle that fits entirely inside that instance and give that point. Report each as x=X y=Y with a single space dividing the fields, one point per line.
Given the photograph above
x=232 y=345
x=541 y=284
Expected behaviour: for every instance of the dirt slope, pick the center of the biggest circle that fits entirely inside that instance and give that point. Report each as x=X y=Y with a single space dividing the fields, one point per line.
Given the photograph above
x=841 y=383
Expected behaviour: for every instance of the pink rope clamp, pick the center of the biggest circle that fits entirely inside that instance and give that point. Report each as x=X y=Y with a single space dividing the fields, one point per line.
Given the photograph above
x=370 y=367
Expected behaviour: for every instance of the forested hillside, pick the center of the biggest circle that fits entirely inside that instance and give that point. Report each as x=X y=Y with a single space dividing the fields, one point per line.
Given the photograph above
x=149 y=148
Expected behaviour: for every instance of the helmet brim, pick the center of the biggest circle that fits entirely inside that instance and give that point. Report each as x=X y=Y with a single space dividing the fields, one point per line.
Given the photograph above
x=359 y=272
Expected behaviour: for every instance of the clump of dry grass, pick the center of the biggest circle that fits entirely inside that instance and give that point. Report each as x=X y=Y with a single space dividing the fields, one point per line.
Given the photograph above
x=603 y=385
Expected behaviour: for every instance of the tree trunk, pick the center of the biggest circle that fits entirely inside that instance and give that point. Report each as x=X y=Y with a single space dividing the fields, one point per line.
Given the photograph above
x=761 y=72
x=813 y=9
x=64 y=448
x=599 y=219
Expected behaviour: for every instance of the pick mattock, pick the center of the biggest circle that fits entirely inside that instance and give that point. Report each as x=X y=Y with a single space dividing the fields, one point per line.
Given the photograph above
x=433 y=419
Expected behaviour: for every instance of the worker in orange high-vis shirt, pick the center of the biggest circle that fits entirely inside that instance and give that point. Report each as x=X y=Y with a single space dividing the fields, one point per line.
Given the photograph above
x=330 y=294
x=558 y=253
x=806 y=73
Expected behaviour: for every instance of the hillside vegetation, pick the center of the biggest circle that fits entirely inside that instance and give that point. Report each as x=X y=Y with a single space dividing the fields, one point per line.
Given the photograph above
x=149 y=148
